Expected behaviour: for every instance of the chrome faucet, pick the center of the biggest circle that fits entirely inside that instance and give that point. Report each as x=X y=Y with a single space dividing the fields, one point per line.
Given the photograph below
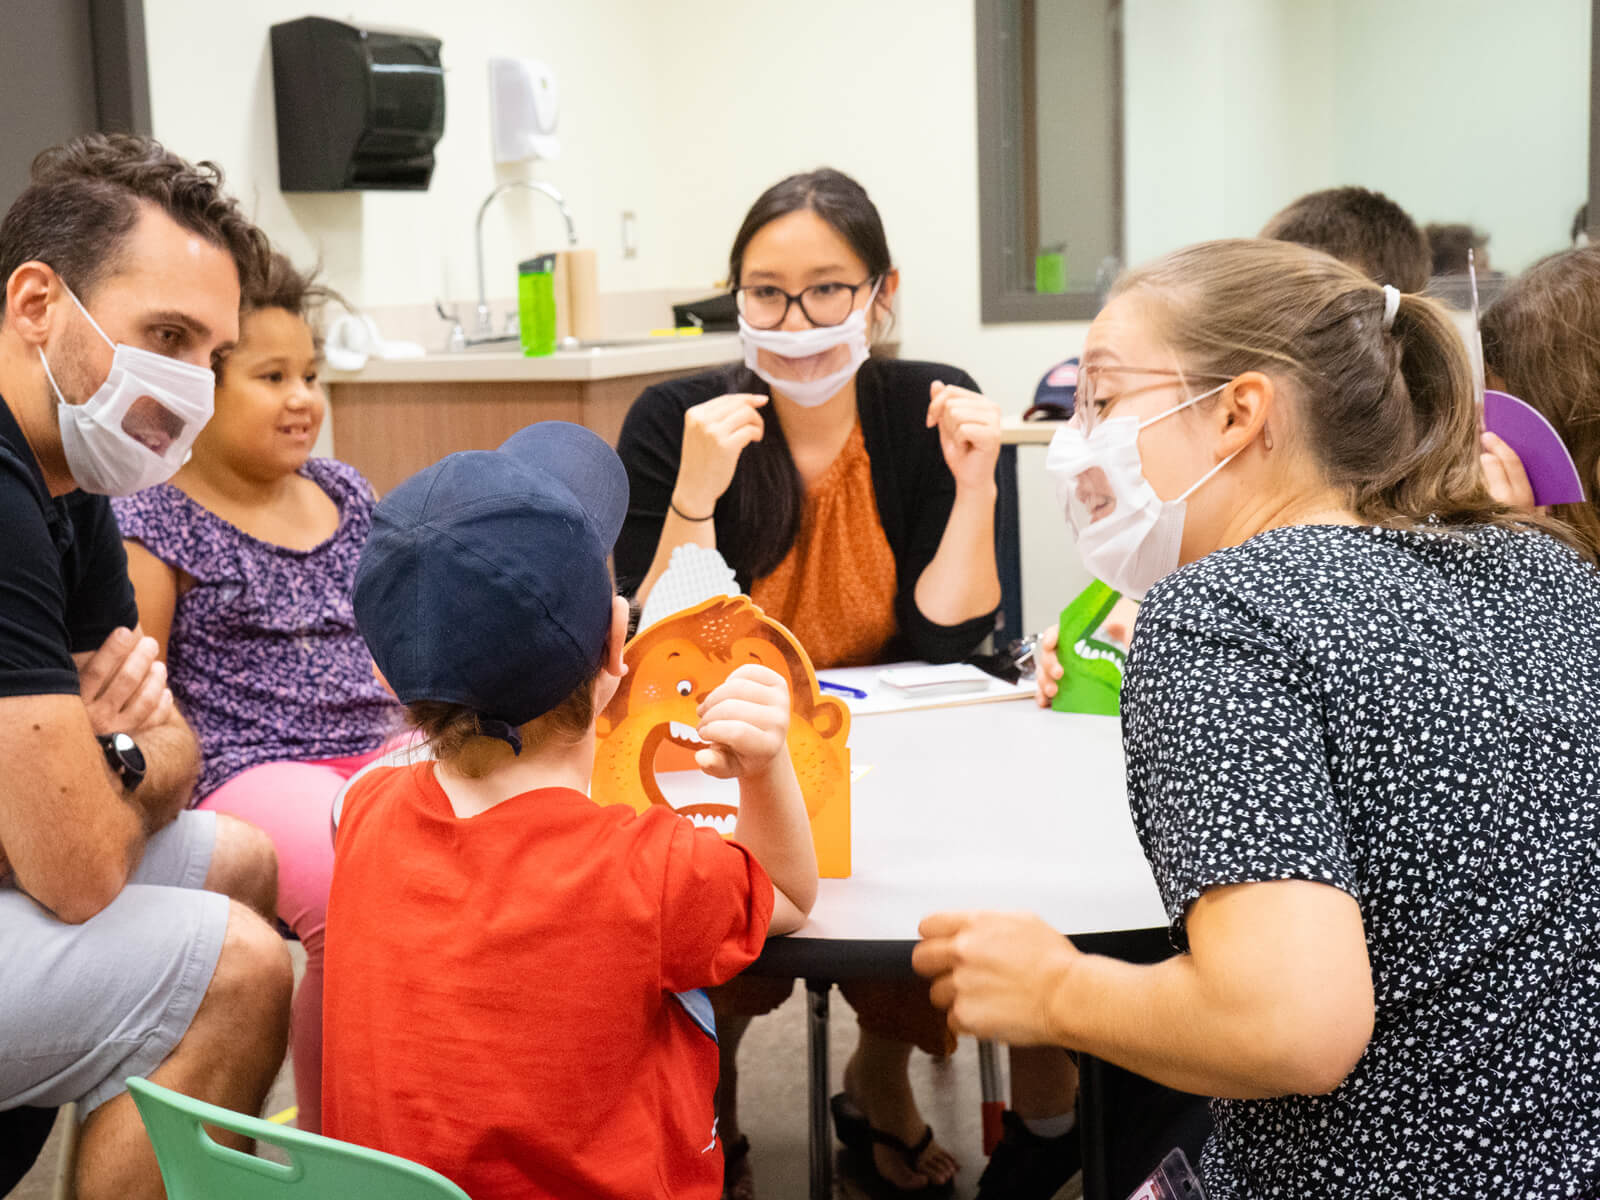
x=485 y=326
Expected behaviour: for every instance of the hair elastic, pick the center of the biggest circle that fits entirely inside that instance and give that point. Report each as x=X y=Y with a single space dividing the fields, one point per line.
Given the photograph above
x=697 y=520
x=1391 y=305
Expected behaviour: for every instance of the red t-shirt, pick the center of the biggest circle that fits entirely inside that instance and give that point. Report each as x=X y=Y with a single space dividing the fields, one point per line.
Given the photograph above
x=499 y=998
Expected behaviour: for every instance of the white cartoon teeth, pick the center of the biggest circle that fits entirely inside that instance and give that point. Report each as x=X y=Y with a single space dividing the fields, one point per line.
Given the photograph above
x=686 y=733
x=722 y=824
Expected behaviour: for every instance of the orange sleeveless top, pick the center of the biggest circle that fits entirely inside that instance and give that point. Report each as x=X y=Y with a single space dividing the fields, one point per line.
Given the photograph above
x=835 y=588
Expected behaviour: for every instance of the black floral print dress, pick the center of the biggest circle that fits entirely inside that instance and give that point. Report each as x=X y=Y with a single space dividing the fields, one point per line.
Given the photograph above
x=1412 y=717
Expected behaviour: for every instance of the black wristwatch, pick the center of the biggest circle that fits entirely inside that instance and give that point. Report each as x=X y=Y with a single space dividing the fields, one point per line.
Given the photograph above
x=124 y=758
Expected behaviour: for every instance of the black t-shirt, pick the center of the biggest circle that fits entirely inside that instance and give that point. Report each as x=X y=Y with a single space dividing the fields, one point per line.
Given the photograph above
x=63 y=574
x=1412 y=717
x=910 y=481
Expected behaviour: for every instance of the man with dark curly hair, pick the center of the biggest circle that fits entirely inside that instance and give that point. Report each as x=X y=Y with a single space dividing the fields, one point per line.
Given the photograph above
x=131 y=940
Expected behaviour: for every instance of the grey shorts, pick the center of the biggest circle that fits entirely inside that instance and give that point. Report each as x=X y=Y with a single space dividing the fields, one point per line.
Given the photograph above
x=82 y=1007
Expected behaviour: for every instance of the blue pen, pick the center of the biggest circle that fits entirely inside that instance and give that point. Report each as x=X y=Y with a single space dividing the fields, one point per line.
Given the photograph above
x=844 y=689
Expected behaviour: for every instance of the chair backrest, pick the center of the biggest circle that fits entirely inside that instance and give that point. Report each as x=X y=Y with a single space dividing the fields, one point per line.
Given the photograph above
x=194 y=1167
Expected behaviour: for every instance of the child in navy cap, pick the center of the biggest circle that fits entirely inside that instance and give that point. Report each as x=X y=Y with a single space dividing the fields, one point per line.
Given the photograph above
x=512 y=969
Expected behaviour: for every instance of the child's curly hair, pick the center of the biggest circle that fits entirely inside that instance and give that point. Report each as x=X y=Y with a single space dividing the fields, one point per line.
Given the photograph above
x=280 y=284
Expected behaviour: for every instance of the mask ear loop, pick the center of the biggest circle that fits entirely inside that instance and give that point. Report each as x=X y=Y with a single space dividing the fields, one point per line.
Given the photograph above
x=1195 y=487
x=86 y=315
x=48 y=373
x=1199 y=483
x=867 y=315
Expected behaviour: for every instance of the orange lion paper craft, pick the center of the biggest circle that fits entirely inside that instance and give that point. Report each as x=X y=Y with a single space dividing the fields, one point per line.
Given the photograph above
x=672 y=665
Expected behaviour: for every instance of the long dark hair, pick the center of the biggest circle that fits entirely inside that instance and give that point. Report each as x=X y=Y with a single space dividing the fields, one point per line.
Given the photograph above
x=766 y=504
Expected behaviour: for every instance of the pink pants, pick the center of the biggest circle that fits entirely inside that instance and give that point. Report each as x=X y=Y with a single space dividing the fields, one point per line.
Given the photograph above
x=293 y=803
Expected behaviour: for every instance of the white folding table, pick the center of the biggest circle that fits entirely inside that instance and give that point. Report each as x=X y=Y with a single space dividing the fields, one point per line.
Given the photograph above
x=1000 y=805
x=984 y=806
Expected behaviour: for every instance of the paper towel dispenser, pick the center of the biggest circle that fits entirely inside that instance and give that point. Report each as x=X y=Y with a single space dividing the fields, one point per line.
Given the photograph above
x=357 y=108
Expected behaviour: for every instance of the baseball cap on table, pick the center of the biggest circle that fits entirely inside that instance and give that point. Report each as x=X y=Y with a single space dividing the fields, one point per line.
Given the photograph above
x=1057 y=393
x=484 y=581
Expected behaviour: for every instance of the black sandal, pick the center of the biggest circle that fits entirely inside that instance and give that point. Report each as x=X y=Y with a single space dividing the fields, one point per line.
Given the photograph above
x=849 y=1122
x=736 y=1170
x=859 y=1137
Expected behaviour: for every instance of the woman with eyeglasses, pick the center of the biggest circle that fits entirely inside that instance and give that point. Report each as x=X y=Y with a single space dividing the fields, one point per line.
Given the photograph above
x=1362 y=757
x=854 y=499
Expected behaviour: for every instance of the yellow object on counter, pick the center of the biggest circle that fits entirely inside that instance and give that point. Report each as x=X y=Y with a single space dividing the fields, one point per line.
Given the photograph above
x=680 y=331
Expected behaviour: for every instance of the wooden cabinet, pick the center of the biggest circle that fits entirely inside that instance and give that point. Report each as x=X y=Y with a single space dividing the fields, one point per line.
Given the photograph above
x=391 y=430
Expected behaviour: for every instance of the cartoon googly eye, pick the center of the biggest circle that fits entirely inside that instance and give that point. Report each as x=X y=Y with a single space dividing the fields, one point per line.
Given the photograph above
x=684 y=687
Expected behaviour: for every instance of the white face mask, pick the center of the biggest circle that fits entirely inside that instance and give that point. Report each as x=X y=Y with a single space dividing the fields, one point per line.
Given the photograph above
x=803 y=343
x=1128 y=536
x=137 y=428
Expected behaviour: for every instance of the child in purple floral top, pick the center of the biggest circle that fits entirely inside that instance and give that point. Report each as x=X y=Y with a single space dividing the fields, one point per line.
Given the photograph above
x=243 y=568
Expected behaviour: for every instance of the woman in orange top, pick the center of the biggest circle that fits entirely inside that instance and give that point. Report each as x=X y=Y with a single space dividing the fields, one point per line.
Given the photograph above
x=854 y=499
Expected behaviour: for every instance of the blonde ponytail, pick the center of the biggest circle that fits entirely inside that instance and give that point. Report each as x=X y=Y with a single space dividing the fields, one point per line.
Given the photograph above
x=1387 y=414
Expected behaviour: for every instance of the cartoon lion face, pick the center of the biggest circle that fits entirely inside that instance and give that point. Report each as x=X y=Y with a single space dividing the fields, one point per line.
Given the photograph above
x=650 y=724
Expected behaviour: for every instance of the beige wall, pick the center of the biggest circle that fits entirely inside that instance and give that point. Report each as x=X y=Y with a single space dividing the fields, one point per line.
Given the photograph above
x=211 y=97
x=885 y=91
x=681 y=112
x=1459 y=110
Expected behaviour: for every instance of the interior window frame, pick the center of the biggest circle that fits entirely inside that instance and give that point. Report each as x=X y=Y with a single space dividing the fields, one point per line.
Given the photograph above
x=1008 y=169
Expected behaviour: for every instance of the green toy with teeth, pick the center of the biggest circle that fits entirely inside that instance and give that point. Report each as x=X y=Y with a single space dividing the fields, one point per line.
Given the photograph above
x=1091 y=669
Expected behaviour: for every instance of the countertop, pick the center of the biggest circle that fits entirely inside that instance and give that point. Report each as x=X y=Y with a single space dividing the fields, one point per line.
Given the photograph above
x=1014 y=431
x=509 y=365
x=600 y=362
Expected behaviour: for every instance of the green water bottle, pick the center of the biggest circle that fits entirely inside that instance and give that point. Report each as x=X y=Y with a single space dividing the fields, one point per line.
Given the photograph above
x=1050 y=270
x=536 y=305
x=1091 y=669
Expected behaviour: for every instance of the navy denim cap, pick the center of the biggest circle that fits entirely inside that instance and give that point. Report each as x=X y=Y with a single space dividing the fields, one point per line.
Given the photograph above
x=484 y=581
x=1057 y=391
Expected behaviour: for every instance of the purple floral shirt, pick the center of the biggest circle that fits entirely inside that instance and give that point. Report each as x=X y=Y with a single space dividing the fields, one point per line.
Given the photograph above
x=265 y=659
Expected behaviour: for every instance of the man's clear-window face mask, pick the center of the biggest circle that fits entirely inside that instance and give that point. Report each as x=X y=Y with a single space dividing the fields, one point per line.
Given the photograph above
x=136 y=429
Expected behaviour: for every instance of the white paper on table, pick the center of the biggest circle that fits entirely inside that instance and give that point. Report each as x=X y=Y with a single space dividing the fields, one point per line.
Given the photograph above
x=884 y=699
x=694 y=575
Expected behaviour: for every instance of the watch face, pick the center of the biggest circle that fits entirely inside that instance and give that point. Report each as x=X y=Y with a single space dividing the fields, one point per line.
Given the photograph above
x=131 y=757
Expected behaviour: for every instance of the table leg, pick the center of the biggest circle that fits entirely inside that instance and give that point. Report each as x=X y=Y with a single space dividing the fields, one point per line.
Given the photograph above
x=1008 y=549
x=821 y=1144
x=992 y=1082
x=1092 y=1126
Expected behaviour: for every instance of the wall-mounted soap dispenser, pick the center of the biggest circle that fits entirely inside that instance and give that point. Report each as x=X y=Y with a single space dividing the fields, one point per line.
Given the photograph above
x=357 y=108
x=524 y=102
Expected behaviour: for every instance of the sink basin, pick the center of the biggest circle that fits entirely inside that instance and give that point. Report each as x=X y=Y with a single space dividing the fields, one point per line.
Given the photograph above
x=566 y=346
x=504 y=344
x=582 y=344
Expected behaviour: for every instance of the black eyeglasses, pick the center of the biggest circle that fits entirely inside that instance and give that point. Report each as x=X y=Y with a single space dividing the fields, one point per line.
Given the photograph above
x=766 y=307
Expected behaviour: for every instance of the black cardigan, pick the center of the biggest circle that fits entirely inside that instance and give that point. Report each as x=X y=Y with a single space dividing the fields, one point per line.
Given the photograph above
x=912 y=484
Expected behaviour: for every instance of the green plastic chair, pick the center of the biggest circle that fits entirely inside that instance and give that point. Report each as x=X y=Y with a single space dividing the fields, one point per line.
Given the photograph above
x=194 y=1167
